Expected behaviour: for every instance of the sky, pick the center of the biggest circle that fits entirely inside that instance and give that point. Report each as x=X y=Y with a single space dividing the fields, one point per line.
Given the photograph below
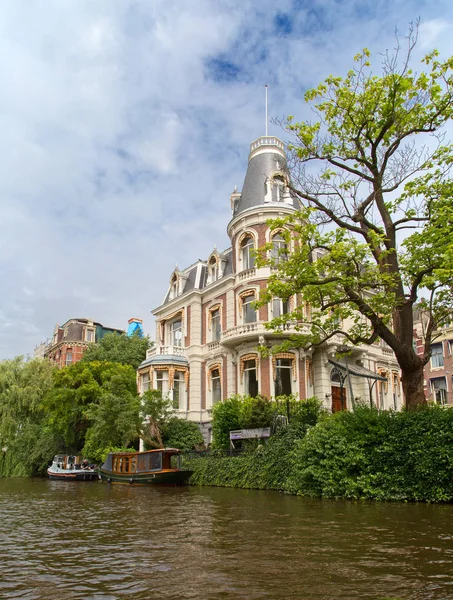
x=125 y=127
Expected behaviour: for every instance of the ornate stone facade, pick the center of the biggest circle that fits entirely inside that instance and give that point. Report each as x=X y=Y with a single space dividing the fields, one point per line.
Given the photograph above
x=208 y=329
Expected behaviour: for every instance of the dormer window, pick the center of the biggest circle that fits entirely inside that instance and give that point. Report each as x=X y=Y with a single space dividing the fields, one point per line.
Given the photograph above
x=213 y=269
x=280 y=188
x=247 y=253
x=174 y=286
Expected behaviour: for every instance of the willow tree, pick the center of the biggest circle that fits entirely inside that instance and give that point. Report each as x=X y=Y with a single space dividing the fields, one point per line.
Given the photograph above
x=373 y=238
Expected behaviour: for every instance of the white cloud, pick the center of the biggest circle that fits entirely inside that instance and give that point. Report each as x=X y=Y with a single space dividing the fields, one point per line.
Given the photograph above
x=121 y=144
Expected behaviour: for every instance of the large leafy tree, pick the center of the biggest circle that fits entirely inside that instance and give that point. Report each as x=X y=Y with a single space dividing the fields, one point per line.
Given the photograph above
x=94 y=406
x=25 y=441
x=373 y=238
x=114 y=347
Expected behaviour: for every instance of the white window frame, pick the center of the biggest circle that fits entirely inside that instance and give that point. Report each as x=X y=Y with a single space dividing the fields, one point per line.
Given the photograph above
x=436 y=363
x=216 y=333
x=172 y=333
x=161 y=381
x=247 y=248
x=216 y=388
x=290 y=368
x=278 y=302
x=145 y=382
x=246 y=375
x=67 y=362
x=179 y=384
x=245 y=304
x=442 y=397
x=278 y=244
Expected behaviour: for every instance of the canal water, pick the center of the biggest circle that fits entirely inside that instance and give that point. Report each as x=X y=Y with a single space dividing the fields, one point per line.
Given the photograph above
x=96 y=541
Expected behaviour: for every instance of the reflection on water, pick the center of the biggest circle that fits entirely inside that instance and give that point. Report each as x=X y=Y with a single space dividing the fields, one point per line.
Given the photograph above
x=95 y=541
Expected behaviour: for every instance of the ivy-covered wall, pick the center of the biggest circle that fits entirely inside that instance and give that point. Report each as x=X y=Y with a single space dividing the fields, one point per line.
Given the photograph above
x=366 y=454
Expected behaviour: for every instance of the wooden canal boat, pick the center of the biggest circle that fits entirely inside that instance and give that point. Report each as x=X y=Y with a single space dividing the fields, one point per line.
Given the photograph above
x=66 y=467
x=153 y=467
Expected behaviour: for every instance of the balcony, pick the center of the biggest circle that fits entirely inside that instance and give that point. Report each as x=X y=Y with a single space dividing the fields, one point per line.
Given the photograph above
x=247 y=274
x=159 y=350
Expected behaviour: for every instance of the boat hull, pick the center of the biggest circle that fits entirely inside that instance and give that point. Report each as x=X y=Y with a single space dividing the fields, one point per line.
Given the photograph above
x=170 y=477
x=73 y=476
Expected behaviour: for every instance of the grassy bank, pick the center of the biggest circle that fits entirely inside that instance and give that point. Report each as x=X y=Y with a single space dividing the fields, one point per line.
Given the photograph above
x=365 y=454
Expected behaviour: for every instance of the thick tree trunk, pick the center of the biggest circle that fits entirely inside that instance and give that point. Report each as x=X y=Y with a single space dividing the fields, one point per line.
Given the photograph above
x=412 y=381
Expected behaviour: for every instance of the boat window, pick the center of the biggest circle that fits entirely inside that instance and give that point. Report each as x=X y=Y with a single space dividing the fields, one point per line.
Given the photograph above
x=156 y=461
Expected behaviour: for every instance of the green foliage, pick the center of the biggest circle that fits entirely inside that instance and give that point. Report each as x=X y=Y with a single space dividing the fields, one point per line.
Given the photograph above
x=378 y=455
x=156 y=411
x=365 y=454
x=94 y=405
x=225 y=418
x=376 y=185
x=114 y=347
x=246 y=412
x=265 y=467
x=178 y=433
x=23 y=430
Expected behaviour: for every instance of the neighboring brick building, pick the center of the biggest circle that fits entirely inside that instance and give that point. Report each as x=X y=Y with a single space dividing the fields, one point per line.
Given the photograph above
x=208 y=330
x=438 y=372
x=69 y=341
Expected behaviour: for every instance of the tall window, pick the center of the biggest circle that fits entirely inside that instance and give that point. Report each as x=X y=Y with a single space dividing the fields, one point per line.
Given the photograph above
x=279 y=307
x=176 y=332
x=145 y=382
x=215 y=325
x=213 y=269
x=161 y=383
x=248 y=258
x=396 y=390
x=279 y=184
x=439 y=389
x=216 y=386
x=248 y=309
x=437 y=357
x=250 y=378
x=174 y=286
x=283 y=368
x=178 y=390
x=68 y=357
x=279 y=249
x=90 y=335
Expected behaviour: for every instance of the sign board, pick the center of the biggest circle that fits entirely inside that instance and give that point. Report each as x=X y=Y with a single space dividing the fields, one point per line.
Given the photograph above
x=248 y=434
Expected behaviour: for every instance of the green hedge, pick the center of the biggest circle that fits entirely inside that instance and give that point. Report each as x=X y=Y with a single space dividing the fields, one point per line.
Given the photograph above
x=365 y=454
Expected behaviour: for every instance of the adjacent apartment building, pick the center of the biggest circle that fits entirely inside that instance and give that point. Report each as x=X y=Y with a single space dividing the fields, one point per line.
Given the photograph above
x=438 y=372
x=208 y=330
x=70 y=340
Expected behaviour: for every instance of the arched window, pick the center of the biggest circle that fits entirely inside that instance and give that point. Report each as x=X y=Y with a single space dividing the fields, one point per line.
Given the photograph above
x=282 y=381
x=279 y=252
x=248 y=308
x=335 y=377
x=176 y=332
x=216 y=328
x=248 y=257
x=213 y=269
x=279 y=186
x=216 y=386
x=174 y=286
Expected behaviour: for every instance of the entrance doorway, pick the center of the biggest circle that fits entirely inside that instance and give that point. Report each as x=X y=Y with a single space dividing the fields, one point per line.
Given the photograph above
x=338 y=399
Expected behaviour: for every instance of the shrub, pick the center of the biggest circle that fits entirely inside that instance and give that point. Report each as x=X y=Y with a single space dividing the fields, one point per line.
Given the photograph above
x=181 y=434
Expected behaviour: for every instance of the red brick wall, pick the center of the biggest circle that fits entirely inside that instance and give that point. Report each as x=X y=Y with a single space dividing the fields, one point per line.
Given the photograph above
x=302 y=391
x=265 y=389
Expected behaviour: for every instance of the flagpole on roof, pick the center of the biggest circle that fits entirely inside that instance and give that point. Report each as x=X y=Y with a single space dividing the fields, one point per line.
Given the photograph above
x=265 y=88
